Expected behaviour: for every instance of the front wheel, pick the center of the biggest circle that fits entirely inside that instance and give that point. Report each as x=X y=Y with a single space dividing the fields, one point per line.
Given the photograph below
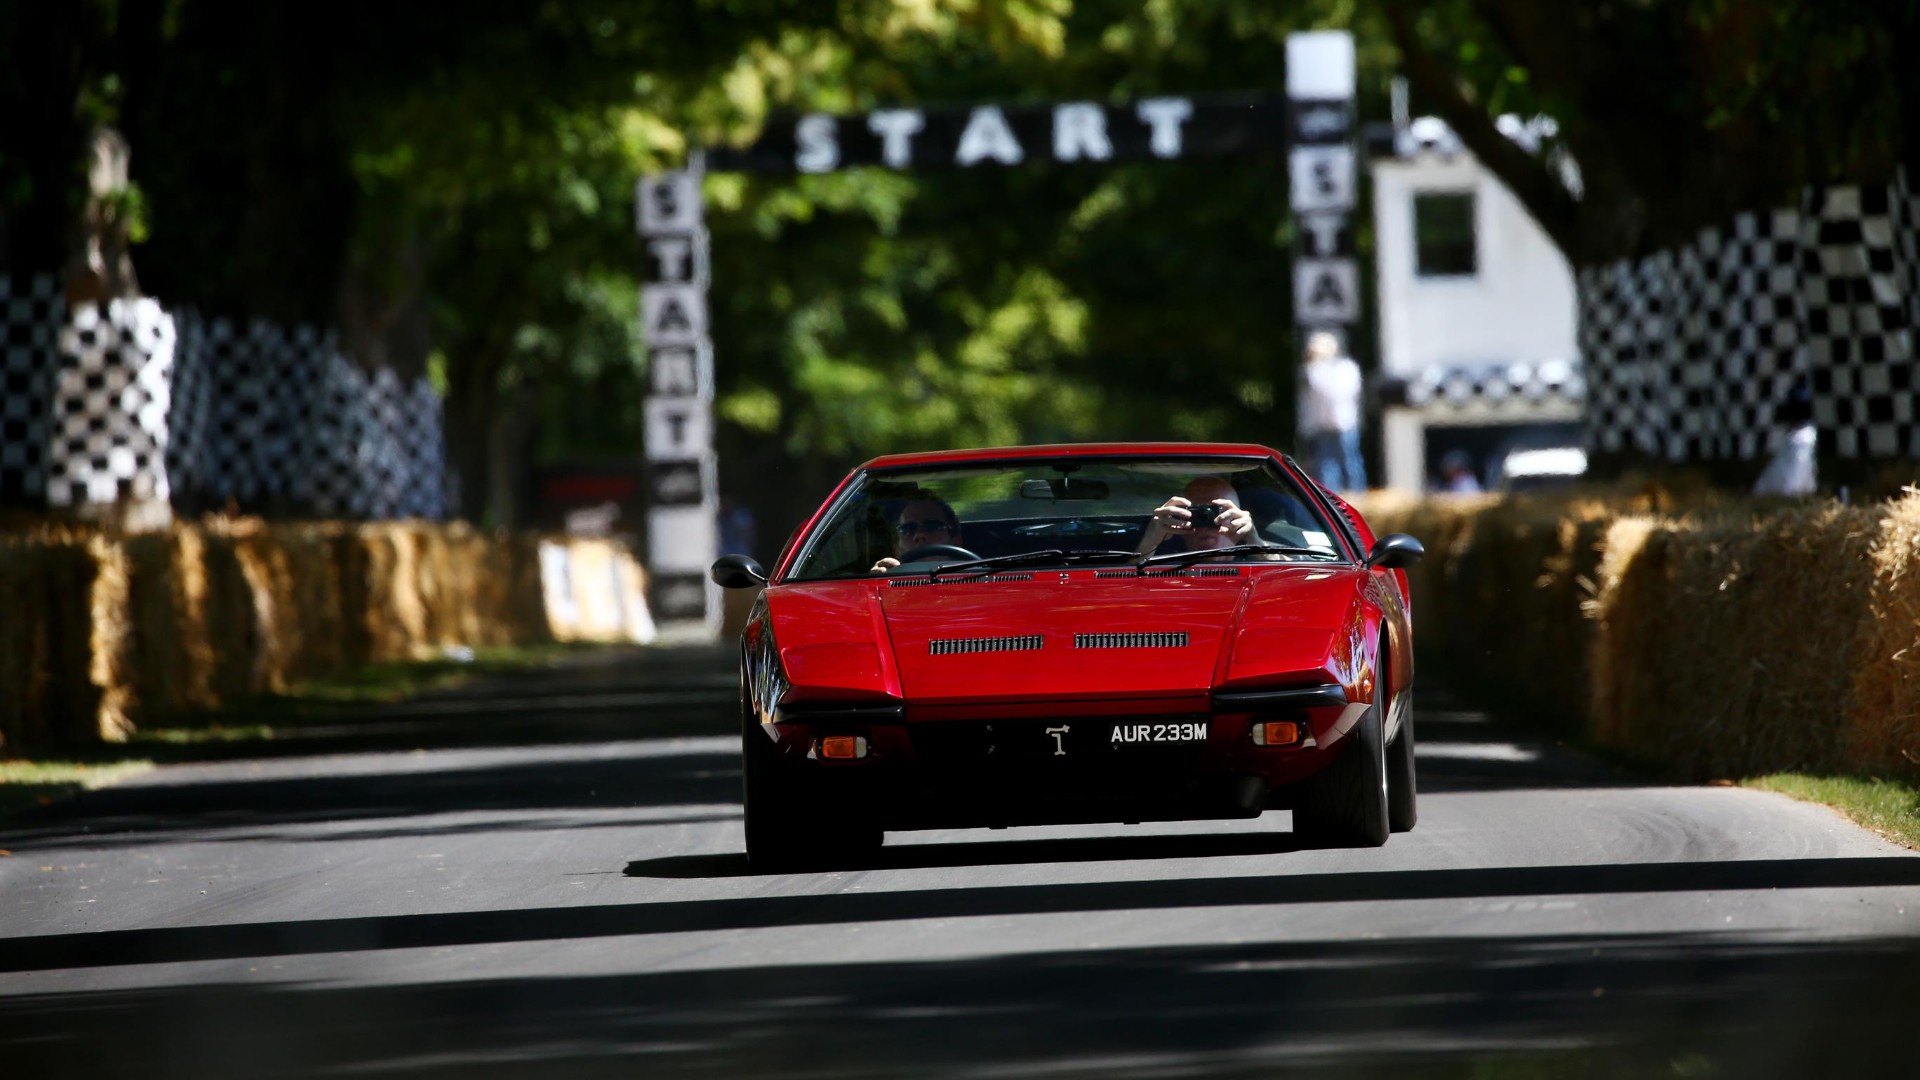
x=787 y=831
x=1345 y=804
x=773 y=836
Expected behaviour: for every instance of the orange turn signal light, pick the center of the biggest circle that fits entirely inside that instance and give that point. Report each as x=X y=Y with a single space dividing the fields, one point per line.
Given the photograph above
x=843 y=747
x=1277 y=733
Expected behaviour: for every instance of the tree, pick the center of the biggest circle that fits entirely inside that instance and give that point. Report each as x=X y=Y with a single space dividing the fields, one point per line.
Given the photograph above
x=55 y=88
x=1678 y=114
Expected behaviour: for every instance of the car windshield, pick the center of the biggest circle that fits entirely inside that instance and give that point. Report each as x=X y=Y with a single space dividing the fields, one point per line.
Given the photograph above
x=1058 y=511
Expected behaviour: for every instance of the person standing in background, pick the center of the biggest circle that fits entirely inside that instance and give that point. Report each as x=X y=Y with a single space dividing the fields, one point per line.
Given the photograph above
x=1329 y=425
x=1792 y=469
x=1456 y=473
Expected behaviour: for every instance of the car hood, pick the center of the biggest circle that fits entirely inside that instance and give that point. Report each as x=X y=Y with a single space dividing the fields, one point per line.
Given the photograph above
x=1082 y=638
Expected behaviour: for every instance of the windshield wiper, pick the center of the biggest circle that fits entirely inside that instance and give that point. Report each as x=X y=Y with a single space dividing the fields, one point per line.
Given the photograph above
x=1181 y=558
x=1029 y=558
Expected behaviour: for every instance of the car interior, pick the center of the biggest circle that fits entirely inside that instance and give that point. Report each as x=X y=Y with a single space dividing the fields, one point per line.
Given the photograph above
x=1066 y=512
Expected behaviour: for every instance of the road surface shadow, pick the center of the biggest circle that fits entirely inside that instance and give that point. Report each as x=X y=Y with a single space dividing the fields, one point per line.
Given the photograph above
x=999 y=853
x=157 y=945
x=1562 y=1006
x=234 y=807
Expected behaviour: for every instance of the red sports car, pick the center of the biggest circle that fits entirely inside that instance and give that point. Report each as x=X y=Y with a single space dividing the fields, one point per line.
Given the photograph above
x=1090 y=633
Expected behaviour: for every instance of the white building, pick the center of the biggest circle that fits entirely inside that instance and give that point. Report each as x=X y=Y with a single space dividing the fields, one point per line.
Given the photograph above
x=1477 y=312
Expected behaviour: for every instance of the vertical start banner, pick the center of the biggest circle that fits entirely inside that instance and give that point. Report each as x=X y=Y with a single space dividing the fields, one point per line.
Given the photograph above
x=1320 y=171
x=682 y=473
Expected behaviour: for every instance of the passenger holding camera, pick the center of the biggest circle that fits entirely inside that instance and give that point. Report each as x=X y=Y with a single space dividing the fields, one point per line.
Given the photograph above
x=1206 y=514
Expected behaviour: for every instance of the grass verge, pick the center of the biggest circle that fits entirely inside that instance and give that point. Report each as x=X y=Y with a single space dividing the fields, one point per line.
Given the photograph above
x=398 y=681
x=27 y=784
x=1889 y=806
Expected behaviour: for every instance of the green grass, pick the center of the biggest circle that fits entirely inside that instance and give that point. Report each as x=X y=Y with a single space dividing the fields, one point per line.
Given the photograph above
x=25 y=784
x=1888 y=805
x=401 y=680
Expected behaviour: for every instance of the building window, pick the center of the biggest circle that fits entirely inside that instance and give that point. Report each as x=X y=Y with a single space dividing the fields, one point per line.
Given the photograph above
x=1443 y=234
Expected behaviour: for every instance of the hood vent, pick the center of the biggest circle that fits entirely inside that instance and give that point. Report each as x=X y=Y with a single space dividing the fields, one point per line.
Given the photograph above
x=1131 y=641
x=910 y=582
x=1186 y=571
x=950 y=646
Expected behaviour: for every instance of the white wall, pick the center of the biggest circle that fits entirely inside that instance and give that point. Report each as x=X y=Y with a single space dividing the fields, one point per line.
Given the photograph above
x=1518 y=307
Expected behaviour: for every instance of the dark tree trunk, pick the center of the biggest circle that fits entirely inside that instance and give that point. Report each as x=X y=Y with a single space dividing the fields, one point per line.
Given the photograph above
x=53 y=52
x=384 y=319
x=473 y=400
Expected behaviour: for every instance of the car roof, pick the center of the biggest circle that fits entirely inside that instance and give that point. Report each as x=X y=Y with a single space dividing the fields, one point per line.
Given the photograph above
x=1058 y=450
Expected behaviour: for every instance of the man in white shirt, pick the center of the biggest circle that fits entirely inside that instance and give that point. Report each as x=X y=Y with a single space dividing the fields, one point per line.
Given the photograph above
x=1330 y=386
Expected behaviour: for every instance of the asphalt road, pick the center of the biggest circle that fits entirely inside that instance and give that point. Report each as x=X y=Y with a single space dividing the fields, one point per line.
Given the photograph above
x=545 y=877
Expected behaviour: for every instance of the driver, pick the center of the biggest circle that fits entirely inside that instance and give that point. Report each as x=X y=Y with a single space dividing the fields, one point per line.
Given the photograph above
x=921 y=522
x=1173 y=528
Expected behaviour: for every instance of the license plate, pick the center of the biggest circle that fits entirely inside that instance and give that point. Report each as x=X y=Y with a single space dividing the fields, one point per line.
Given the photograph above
x=1129 y=734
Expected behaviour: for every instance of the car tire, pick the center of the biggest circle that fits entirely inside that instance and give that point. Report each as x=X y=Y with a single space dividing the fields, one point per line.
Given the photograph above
x=775 y=812
x=773 y=841
x=1402 y=794
x=1345 y=804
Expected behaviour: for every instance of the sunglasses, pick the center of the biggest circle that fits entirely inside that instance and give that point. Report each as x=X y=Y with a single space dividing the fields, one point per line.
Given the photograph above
x=908 y=528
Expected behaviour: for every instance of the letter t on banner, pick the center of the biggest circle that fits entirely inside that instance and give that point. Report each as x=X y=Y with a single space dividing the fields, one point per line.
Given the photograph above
x=683 y=512
x=1320 y=166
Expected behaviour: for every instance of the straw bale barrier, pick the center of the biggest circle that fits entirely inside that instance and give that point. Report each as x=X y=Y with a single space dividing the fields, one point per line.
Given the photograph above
x=1722 y=637
x=100 y=632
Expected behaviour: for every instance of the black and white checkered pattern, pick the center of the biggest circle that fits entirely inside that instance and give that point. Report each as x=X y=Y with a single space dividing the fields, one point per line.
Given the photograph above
x=422 y=445
x=31 y=315
x=190 y=455
x=337 y=448
x=1751 y=348
x=111 y=396
x=1496 y=393
x=1688 y=353
x=1860 y=321
x=129 y=402
x=294 y=426
x=1628 y=352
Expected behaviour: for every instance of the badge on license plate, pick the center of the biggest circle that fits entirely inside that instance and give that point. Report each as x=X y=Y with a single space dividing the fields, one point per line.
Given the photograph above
x=1159 y=733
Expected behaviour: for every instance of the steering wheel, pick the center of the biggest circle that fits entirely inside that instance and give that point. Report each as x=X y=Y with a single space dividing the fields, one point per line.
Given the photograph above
x=936 y=551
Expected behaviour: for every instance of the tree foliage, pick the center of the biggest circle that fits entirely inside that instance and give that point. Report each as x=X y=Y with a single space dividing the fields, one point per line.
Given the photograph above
x=1679 y=114
x=451 y=186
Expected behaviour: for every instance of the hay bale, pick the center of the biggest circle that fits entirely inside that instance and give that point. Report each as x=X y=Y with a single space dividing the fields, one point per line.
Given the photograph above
x=1632 y=565
x=48 y=697
x=1883 y=728
x=1727 y=645
x=109 y=645
x=392 y=613
x=1502 y=590
x=173 y=657
x=234 y=614
x=25 y=649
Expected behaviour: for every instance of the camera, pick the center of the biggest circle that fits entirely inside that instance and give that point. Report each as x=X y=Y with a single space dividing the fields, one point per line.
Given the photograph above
x=1205 y=515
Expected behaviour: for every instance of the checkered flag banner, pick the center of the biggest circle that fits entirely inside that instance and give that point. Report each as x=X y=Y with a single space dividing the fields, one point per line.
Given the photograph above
x=1689 y=353
x=101 y=405
x=33 y=311
x=1861 y=278
x=368 y=446
x=111 y=395
x=1499 y=393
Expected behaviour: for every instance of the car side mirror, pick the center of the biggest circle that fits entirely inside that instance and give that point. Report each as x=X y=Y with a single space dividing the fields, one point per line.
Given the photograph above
x=1394 y=551
x=737 y=572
